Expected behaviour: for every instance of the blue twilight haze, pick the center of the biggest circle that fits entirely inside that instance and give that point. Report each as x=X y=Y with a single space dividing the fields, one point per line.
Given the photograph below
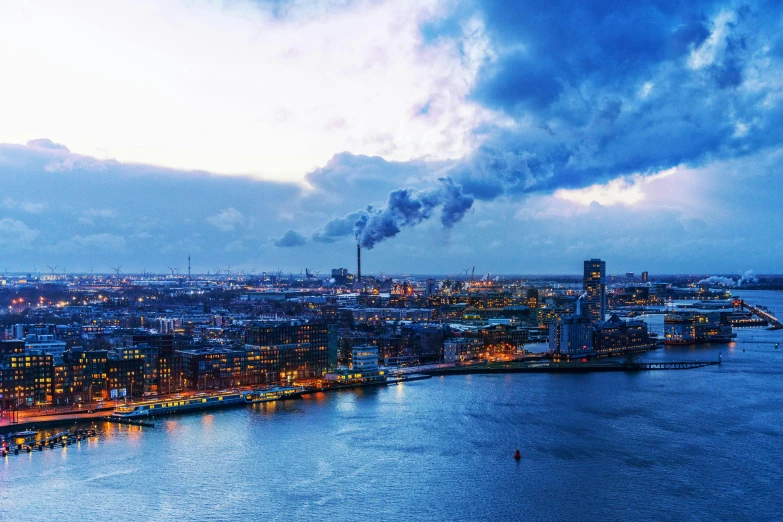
x=518 y=136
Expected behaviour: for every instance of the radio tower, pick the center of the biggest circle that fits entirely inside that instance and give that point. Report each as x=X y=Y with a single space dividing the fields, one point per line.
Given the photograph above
x=188 y=267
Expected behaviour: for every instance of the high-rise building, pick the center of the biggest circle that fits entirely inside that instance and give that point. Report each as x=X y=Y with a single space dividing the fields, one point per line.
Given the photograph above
x=594 y=302
x=644 y=277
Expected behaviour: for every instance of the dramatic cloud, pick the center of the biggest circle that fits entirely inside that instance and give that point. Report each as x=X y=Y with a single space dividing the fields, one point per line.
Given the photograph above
x=291 y=238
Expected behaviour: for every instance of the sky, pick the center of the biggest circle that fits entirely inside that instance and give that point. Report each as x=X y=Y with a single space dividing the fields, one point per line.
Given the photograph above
x=519 y=137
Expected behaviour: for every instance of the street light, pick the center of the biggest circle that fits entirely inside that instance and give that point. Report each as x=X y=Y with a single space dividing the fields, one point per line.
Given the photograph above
x=89 y=391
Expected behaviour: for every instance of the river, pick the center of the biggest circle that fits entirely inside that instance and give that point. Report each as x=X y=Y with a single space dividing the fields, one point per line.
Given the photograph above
x=703 y=444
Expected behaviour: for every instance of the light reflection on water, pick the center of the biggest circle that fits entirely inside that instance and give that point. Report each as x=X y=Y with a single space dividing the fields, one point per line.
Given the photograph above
x=701 y=444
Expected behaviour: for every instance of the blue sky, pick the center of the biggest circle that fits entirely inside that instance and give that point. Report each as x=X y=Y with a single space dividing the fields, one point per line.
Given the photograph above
x=519 y=137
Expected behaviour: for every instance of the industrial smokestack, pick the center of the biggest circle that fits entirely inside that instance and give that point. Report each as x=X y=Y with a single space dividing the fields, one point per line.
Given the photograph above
x=359 y=265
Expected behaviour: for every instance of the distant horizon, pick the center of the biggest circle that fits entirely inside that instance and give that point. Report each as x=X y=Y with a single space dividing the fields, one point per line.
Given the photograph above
x=322 y=274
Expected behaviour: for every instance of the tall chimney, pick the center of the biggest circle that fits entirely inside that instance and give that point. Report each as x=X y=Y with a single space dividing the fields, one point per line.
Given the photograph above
x=359 y=265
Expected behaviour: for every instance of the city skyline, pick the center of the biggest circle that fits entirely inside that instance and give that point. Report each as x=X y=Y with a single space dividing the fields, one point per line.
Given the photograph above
x=655 y=138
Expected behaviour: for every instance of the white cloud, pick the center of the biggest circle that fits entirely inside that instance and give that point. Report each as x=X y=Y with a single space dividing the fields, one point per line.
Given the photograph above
x=15 y=234
x=228 y=87
x=103 y=241
x=25 y=206
x=100 y=212
x=227 y=220
x=90 y=215
x=706 y=54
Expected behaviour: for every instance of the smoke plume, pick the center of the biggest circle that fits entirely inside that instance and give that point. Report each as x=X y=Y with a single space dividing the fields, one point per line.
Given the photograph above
x=718 y=281
x=747 y=278
x=404 y=208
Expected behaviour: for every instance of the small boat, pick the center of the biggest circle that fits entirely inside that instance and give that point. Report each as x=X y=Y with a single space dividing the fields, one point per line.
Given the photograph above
x=22 y=434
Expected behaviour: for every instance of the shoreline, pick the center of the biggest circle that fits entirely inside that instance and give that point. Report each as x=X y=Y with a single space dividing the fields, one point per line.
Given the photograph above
x=74 y=418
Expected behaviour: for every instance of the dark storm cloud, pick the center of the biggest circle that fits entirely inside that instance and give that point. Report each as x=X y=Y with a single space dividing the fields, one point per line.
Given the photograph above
x=596 y=90
x=602 y=89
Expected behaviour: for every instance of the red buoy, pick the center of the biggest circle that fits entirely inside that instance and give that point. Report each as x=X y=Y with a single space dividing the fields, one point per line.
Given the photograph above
x=517 y=455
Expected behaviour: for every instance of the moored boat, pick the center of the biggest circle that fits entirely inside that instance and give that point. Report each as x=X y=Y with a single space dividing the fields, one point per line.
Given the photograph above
x=169 y=406
x=272 y=394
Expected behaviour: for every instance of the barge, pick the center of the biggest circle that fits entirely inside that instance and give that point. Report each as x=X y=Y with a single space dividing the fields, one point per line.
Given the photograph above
x=204 y=402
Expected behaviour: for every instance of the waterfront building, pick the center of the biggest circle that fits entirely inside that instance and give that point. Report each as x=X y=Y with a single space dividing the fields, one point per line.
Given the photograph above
x=125 y=377
x=364 y=368
x=594 y=286
x=463 y=349
x=430 y=343
x=292 y=350
x=615 y=336
x=697 y=327
x=222 y=367
x=293 y=361
x=571 y=337
x=25 y=377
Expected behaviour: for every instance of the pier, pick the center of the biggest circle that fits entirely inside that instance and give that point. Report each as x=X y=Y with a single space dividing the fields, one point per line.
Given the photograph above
x=757 y=311
x=674 y=365
x=569 y=367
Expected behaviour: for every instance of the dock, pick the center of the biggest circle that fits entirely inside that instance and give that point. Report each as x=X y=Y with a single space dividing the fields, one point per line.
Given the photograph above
x=674 y=365
x=130 y=422
x=773 y=321
x=388 y=382
x=568 y=367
